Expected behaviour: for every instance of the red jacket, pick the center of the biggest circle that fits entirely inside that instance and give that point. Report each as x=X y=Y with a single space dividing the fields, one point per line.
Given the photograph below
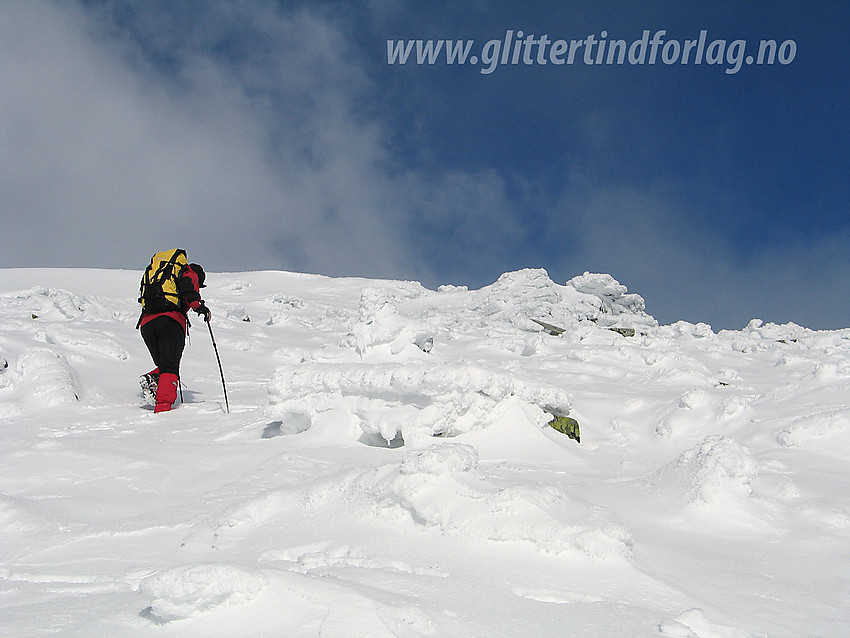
x=190 y=293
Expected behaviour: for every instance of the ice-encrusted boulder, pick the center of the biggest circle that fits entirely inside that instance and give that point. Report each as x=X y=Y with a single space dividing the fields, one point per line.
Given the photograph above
x=606 y=301
x=529 y=294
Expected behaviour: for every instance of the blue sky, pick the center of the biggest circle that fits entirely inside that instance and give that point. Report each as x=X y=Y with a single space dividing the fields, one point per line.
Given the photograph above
x=275 y=135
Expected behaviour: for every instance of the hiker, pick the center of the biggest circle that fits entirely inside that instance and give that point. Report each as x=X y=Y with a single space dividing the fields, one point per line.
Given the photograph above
x=169 y=289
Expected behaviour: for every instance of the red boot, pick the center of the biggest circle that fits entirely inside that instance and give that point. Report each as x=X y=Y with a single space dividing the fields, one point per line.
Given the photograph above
x=166 y=392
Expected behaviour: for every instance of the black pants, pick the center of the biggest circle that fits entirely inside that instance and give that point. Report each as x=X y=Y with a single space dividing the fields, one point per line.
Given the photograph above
x=165 y=340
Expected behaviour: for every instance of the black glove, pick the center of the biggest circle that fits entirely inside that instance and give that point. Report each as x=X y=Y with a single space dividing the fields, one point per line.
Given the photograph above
x=204 y=312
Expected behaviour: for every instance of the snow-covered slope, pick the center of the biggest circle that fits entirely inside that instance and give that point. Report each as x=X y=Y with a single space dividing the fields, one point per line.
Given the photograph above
x=387 y=468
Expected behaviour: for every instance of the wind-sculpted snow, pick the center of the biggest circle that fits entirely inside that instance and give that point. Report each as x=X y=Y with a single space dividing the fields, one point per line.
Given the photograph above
x=184 y=592
x=608 y=300
x=526 y=294
x=410 y=314
x=440 y=488
x=819 y=424
x=718 y=470
x=694 y=624
x=380 y=323
x=20 y=519
x=56 y=304
x=46 y=378
x=410 y=399
x=387 y=466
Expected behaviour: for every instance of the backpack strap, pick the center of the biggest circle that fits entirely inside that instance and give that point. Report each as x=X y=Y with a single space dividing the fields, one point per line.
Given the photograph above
x=169 y=269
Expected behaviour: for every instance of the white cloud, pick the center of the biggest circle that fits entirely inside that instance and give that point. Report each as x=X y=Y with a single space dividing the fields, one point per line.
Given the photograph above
x=260 y=156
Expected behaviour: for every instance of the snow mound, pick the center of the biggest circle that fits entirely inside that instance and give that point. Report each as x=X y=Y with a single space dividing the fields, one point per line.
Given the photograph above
x=716 y=471
x=440 y=459
x=56 y=304
x=438 y=490
x=80 y=341
x=441 y=490
x=517 y=297
x=698 y=410
x=410 y=400
x=810 y=426
x=694 y=624
x=46 y=378
x=758 y=329
x=20 y=519
x=185 y=592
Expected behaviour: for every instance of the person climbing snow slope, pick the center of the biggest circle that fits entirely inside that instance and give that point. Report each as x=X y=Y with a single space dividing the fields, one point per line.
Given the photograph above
x=169 y=288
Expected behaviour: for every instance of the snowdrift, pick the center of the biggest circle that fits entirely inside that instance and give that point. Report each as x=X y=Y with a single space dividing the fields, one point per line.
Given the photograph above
x=388 y=469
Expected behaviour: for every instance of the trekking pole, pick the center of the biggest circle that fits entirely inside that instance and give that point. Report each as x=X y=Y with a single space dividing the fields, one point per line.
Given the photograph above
x=224 y=387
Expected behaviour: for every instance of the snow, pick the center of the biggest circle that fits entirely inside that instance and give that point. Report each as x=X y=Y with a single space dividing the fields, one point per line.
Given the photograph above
x=387 y=468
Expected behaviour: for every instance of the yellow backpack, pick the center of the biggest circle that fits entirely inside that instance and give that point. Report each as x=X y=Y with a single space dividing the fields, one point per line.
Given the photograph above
x=158 y=291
